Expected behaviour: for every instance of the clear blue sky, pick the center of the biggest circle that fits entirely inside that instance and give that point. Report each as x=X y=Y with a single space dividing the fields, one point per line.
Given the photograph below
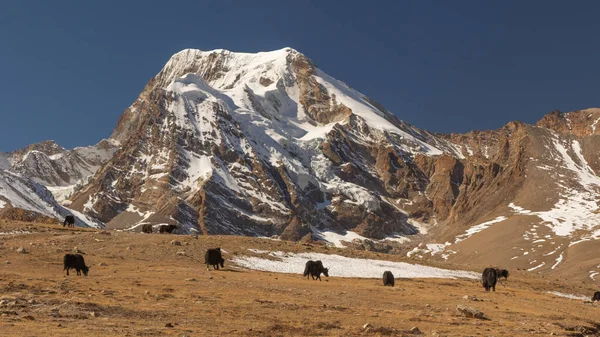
x=68 y=69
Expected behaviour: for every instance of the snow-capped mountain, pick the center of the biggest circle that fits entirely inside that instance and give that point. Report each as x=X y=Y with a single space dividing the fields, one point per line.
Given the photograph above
x=60 y=170
x=25 y=200
x=36 y=179
x=268 y=144
x=259 y=144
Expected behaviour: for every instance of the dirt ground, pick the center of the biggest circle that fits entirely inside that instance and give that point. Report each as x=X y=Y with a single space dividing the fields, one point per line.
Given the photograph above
x=144 y=285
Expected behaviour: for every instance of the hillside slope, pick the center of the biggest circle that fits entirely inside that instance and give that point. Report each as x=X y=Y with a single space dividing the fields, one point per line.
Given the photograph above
x=540 y=212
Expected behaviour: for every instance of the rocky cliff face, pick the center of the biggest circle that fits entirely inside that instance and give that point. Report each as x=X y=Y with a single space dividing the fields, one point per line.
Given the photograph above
x=59 y=169
x=261 y=144
x=580 y=123
x=524 y=196
x=268 y=144
x=36 y=179
x=25 y=200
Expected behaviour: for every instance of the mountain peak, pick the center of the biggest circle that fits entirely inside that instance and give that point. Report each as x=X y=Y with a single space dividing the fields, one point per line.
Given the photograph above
x=221 y=67
x=249 y=136
x=187 y=57
x=579 y=122
x=49 y=147
x=194 y=51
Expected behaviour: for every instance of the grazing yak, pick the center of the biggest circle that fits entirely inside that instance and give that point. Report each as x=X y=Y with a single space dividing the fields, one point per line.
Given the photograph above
x=502 y=273
x=388 y=278
x=75 y=261
x=167 y=228
x=213 y=257
x=314 y=269
x=147 y=228
x=69 y=221
x=489 y=277
x=596 y=296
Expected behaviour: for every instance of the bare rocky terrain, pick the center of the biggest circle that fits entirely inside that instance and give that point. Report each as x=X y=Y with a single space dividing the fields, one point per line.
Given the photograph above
x=156 y=285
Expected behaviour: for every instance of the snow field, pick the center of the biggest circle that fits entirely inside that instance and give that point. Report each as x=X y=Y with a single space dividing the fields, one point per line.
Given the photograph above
x=341 y=266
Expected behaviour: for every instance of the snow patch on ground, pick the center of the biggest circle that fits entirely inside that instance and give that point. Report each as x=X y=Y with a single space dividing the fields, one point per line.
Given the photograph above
x=15 y=233
x=478 y=228
x=341 y=266
x=575 y=214
x=587 y=176
x=422 y=227
x=431 y=248
x=594 y=125
x=144 y=215
x=258 y=251
x=537 y=267
x=89 y=204
x=336 y=238
x=437 y=247
x=570 y=296
x=558 y=260
x=518 y=209
x=155 y=226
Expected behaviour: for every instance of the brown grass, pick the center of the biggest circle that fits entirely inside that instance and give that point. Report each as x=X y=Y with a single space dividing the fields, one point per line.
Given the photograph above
x=145 y=286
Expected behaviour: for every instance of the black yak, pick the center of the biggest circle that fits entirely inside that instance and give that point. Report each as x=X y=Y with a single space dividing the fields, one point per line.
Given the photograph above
x=213 y=257
x=489 y=277
x=69 y=221
x=75 y=261
x=147 y=228
x=167 y=228
x=502 y=273
x=388 y=278
x=596 y=296
x=314 y=269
